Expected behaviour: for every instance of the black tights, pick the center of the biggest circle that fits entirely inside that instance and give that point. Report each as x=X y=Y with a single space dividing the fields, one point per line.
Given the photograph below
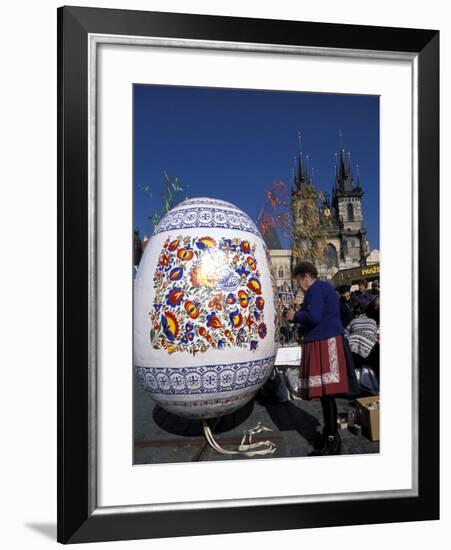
x=330 y=414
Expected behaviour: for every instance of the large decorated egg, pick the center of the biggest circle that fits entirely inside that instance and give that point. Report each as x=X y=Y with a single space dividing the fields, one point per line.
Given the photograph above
x=204 y=310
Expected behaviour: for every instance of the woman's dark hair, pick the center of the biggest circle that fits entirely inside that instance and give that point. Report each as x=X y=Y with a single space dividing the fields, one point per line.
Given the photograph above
x=359 y=309
x=343 y=289
x=372 y=309
x=305 y=268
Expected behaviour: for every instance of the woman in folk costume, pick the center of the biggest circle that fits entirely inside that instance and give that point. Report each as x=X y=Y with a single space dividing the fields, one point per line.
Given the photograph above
x=323 y=368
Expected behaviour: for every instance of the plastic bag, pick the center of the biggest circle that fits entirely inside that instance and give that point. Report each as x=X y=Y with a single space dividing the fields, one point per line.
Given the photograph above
x=367 y=379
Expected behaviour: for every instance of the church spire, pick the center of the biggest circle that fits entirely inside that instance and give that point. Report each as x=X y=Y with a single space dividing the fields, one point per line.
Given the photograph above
x=343 y=176
x=302 y=176
x=294 y=179
x=359 y=186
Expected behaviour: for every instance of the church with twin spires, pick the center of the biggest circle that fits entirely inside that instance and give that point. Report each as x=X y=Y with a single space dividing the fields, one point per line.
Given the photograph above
x=343 y=227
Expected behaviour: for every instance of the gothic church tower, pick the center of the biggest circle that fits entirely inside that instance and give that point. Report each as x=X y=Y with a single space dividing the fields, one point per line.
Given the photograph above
x=342 y=216
x=347 y=203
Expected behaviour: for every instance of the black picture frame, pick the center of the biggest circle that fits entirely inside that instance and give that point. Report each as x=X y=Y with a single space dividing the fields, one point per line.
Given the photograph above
x=79 y=519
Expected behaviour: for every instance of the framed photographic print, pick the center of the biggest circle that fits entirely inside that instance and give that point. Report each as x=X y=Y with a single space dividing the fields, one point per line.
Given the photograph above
x=248 y=274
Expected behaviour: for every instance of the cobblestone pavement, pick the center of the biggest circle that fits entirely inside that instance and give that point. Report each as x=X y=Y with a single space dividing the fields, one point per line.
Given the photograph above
x=161 y=437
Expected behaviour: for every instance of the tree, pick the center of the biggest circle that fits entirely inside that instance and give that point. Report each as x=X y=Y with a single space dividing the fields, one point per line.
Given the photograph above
x=276 y=212
x=170 y=197
x=303 y=216
x=311 y=224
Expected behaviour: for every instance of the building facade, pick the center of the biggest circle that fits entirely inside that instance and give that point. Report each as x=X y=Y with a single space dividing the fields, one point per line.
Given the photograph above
x=341 y=227
x=374 y=257
x=281 y=266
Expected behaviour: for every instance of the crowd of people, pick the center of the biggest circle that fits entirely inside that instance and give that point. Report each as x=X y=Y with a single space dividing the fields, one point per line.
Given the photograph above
x=339 y=334
x=359 y=312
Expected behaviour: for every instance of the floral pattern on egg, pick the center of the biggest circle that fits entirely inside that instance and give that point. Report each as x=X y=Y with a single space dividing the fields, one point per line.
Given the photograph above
x=208 y=295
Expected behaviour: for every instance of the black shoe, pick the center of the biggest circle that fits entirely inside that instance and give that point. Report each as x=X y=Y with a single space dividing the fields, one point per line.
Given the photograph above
x=331 y=446
x=320 y=441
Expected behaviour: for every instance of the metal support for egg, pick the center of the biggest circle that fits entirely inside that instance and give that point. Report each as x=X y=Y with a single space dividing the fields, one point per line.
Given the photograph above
x=246 y=448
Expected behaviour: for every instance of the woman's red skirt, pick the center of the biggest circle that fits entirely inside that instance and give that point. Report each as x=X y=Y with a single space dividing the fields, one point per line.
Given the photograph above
x=323 y=368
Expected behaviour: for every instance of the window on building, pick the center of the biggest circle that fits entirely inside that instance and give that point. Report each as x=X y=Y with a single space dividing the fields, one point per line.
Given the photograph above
x=350 y=212
x=280 y=272
x=352 y=243
x=331 y=256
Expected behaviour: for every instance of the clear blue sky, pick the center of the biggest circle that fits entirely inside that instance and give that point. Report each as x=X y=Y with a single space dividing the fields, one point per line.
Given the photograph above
x=233 y=144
